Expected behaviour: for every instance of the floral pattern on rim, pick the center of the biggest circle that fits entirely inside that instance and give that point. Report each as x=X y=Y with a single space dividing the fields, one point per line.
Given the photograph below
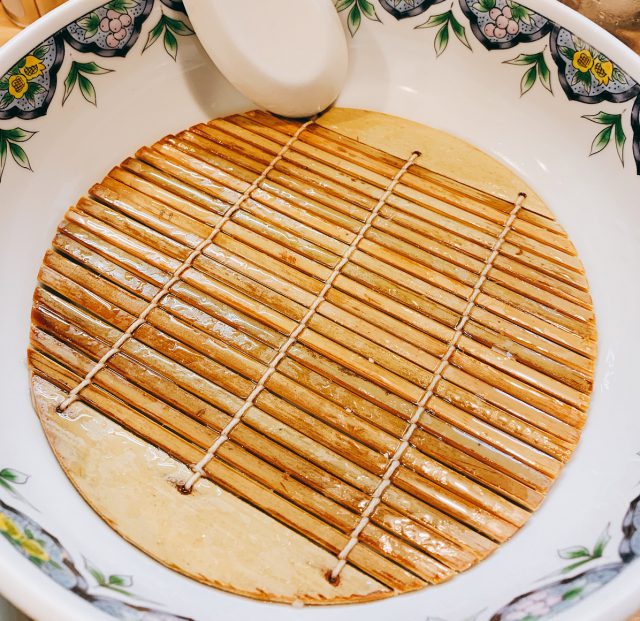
x=27 y=88
x=110 y=30
x=635 y=124
x=587 y=75
x=41 y=548
x=47 y=553
x=549 y=600
x=503 y=24
x=401 y=9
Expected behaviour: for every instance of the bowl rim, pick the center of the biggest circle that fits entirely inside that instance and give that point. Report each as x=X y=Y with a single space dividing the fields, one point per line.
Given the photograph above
x=38 y=596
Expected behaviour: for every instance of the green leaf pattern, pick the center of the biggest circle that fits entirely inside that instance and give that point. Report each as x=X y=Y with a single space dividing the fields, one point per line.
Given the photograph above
x=78 y=75
x=581 y=555
x=538 y=70
x=121 y=6
x=90 y=24
x=459 y=31
x=613 y=128
x=446 y=22
x=9 y=139
x=169 y=27
x=520 y=13
x=356 y=9
x=118 y=583
x=484 y=6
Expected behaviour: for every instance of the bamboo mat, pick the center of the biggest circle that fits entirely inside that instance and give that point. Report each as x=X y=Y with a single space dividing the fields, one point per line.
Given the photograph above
x=382 y=359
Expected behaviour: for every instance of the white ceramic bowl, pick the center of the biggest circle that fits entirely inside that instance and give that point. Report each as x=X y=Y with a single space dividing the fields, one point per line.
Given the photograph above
x=475 y=94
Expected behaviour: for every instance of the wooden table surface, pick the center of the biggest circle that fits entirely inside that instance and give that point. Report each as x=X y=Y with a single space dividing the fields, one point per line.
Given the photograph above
x=8 y=29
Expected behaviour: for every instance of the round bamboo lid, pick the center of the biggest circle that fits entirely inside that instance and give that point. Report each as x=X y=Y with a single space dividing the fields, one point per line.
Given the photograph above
x=312 y=362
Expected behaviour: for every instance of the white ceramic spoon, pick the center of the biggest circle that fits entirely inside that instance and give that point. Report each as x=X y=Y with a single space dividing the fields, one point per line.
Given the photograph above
x=288 y=56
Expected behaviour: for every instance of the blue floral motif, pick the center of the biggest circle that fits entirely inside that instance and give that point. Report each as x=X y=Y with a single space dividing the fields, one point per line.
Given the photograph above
x=27 y=88
x=109 y=30
x=548 y=601
x=402 y=9
x=586 y=74
x=41 y=548
x=503 y=24
x=46 y=552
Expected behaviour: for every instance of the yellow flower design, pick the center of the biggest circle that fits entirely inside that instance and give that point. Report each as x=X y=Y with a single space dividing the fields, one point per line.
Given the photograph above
x=603 y=71
x=8 y=526
x=18 y=85
x=32 y=68
x=35 y=550
x=583 y=60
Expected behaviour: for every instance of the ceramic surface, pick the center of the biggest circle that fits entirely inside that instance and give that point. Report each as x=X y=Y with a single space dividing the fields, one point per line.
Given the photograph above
x=552 y=96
